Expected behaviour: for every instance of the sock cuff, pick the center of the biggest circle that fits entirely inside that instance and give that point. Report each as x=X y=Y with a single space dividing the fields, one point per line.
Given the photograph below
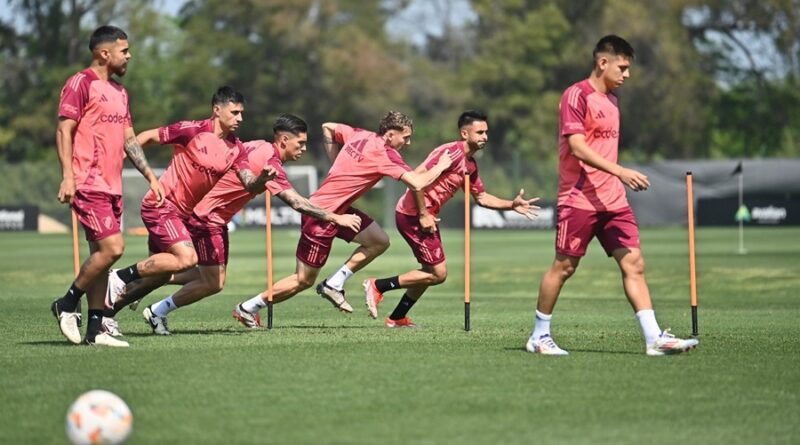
x=542 y=316
x=646 y=313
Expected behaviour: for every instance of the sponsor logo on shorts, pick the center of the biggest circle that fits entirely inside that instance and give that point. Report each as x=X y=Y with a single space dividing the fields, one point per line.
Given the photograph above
x=107 y=222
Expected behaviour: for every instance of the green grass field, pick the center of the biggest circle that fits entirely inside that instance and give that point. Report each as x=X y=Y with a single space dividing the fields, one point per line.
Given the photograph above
x=323 y=377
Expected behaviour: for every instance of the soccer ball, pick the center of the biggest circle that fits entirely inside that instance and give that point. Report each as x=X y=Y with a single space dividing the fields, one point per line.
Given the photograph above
x=99 y=417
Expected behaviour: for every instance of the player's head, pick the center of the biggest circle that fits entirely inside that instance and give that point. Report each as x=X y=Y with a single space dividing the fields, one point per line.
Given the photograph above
x=613 y=56
x=109 y=46
x=396 y=129
x=227 y=105
x=290 y=135
x=473 y=126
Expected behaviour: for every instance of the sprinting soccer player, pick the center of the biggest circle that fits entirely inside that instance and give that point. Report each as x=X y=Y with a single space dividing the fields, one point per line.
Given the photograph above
x=203 y=152
x=416 y=218
x=94 y=134
x=592 y=201
x=208 y=225
x=365 y=157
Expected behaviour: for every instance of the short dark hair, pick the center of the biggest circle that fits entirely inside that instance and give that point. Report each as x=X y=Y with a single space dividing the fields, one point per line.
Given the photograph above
x=394 y=120
x=615 y=45
x=106 y=34
x=470 y=116
x=289 y=123
x=227 y=94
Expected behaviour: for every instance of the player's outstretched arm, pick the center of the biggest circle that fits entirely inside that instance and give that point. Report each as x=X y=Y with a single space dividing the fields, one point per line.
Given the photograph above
x=329 y=140
x=581 y=150
x=64 y=134
x=519 y=204
x=253 y=183
x=418 y=181
x=136 y=155
x=147 y=137
x=304 y=206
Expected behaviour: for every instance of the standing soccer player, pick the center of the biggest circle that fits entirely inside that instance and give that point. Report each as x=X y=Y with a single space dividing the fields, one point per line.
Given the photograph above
x=94 y=134
x=592 y=201
x=416 y=217
x=203 y=152
x=365 y=157
x=208 y=225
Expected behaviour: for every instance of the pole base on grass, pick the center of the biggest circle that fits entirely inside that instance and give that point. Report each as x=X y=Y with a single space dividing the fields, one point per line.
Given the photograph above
x=695 y=332
x=269 y=315
x=467 y=326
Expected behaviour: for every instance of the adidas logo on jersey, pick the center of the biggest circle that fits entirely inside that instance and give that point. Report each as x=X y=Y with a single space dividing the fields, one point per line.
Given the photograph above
x=599 y=115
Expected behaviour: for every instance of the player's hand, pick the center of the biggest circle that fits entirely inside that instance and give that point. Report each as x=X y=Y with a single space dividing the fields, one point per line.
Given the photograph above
x=633 y=179
x=524 y=206
x=445 y=160
x=158 y=190
x=66 y=191
x=349 y=221
x=428 y=222
x=269 y=172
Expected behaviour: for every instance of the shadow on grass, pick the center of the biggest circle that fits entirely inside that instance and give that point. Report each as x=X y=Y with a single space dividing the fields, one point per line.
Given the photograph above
x=48 y=343
x=596 y=351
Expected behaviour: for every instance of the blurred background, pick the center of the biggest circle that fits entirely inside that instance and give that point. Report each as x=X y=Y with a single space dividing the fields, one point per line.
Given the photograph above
x=714 y=86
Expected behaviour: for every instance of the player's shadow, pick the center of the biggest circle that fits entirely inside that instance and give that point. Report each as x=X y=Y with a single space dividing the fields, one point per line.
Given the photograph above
x=47 y=343
x=595 y=351
x=307 y=326
x=216 y=331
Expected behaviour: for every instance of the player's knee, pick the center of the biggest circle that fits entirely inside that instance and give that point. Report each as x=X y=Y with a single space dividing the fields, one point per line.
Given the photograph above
x=187 y=260
x=635 y=266
x=438 y=277
x=565 y=271
x=382 y=243
x=304 y=282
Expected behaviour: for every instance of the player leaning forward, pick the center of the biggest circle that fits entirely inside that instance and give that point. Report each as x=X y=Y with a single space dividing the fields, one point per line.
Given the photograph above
x=203 y=152
x=94 y=134
x=364 y=158
x=592 y=201
x=208 y=225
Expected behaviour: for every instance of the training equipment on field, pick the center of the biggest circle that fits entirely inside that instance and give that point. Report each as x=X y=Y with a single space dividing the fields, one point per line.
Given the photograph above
x=692 y=269
x=99 y=417
x=467 y=226
x=76 y=258
x=268 y=229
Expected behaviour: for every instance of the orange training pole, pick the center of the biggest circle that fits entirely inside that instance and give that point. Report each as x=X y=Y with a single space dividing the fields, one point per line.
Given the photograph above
x=268 y=228
x=467 y=226
x=692 y=268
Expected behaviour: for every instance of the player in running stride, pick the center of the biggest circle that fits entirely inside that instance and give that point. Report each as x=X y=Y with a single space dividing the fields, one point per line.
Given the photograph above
x=592 y=201
x=208 y=225
x=364 y=158
x=94 y=134
x=417 y=212
x=203 y=152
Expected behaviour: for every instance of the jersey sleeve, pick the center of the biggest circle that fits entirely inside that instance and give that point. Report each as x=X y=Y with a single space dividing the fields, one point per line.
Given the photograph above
x=343 y=133
x=179 y=133
x=392 y=164
x=281 y=181
x=241 y=161
x=572 y=112
x=74 y=97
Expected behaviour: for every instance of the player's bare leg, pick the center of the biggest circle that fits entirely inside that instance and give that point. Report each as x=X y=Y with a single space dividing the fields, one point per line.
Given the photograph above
x=415 y=282
x=303 y=278
x=102 y=255
x=372 y=242
x=560 y=271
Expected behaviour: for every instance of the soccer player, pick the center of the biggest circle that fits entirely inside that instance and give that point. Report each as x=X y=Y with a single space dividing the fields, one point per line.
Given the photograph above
x=94 y=134
x=203 y=152
x=208 y=225
x=416 y=217
x=592 y=201
x=364 y=158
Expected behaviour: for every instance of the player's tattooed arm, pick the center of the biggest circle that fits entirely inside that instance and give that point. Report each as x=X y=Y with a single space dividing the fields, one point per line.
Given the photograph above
x=136 y=155
x=329 y=140
x=304 y=206
x=253 y=183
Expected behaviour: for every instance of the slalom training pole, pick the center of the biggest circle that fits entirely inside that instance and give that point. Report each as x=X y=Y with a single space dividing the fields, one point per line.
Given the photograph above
x=268 y=206
x=692 y=268
x=76 y=255
x=467 y=226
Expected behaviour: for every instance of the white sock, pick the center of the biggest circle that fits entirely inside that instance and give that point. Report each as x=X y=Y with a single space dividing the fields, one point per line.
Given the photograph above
x=163 y=307
x=541 y=325
x=338 y=279
x=254 y=304
x=650 y=329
